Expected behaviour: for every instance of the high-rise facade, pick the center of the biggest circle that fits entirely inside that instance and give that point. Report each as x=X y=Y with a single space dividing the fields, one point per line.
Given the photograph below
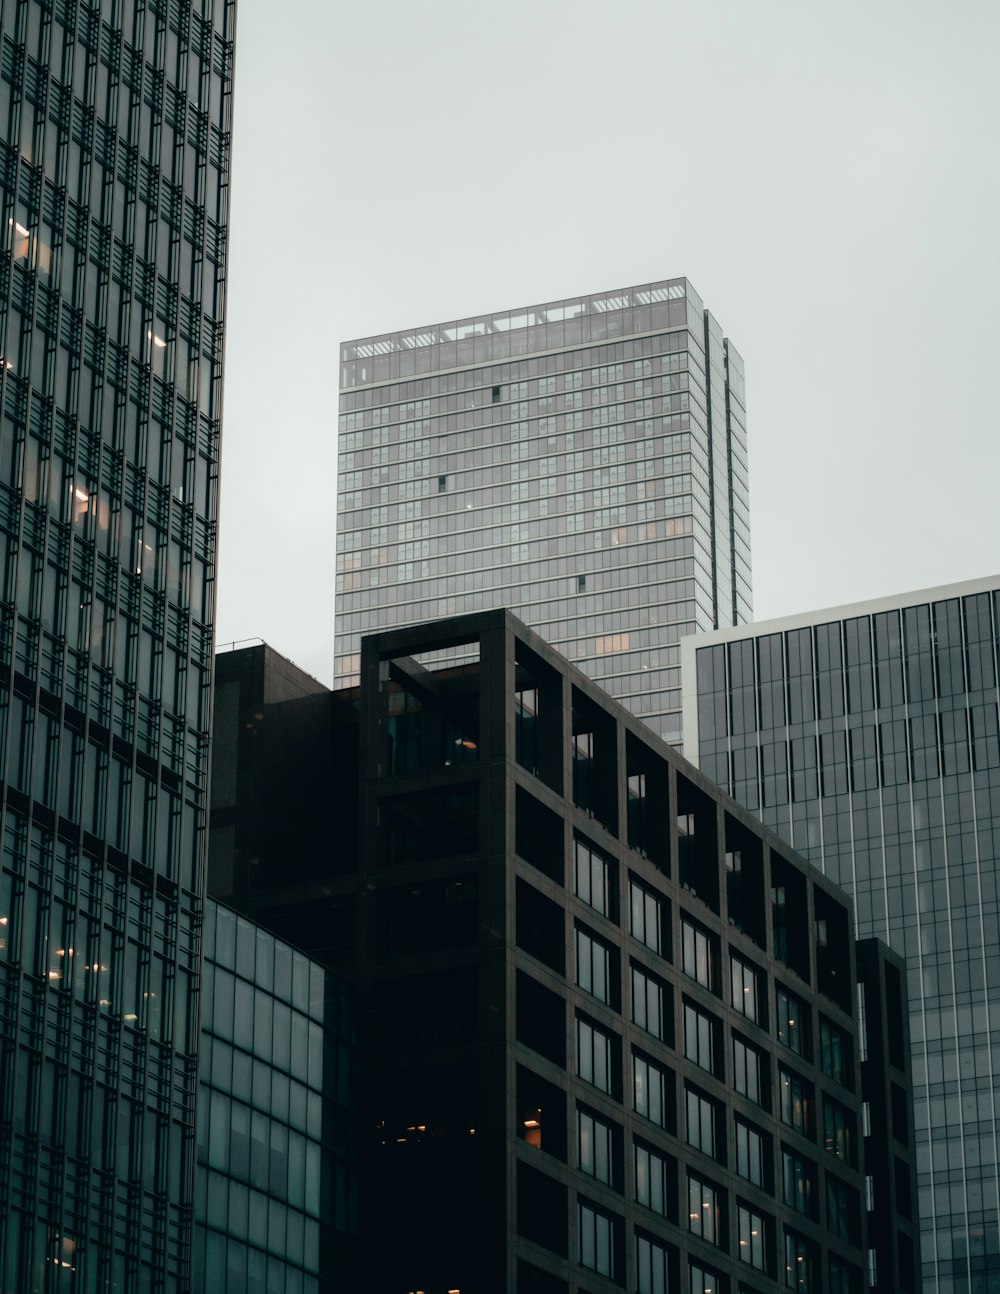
x=277 y=1179
x=582 y=462
x=115 y=120
x=610 y=1028
x=867 y=736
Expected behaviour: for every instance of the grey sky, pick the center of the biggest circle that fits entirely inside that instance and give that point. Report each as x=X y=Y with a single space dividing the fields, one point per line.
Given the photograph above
x=826 y=174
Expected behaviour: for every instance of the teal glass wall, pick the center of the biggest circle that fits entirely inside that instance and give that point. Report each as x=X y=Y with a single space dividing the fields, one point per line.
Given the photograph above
x=114 y=155
x=277 y=1176
x=871 y=743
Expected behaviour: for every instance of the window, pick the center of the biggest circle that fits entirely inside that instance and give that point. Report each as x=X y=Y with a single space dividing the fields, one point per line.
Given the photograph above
x=596 y=1233
x=649 y=1086
x=702 y=1121
x=844 y=1279
x=645 y=924
x=594 y=1142
x=594 y=969
x=652 y=1184
x=592 y=878
x=594 y=1055
x=796 y=1102
x=700 y=1032
x=838 y=1130
x=835 y=1052
x=704 y=1211
x=746 y=996
x=647 y=1003
x=748 y=1072
x=843 y=1211
x=751 y=1230
x=800 y=1264
x=799 y=1183
x=793 y=1022
x=750 y=1154
x=698 y=955
x=702 y=1280
x=650 y=1266
x=442 y=484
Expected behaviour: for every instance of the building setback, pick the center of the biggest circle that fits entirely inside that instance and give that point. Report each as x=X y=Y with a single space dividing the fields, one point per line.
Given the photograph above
x=114 y=159
x=867 y=736
x=610 y=1019
x=582 y=462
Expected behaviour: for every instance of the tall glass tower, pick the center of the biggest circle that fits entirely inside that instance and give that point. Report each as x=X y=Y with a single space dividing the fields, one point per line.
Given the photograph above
x=581 y=462
x=114 y=162
x=869 y=737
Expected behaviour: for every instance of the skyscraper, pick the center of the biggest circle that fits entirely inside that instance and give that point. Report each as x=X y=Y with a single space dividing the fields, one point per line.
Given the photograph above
x=867 y=736
x=114 y=181
x=581 y=462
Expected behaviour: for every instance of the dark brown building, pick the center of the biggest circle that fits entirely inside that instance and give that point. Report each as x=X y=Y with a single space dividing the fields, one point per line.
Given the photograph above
x=612 y=1036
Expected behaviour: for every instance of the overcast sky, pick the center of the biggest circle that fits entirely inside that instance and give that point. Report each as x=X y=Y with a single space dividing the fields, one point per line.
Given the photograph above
x=827 y=174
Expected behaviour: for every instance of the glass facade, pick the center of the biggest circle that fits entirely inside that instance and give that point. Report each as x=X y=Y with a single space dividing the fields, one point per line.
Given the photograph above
x=582 y=462
x=276 y=1189
x=114 y=188
x=868 y=737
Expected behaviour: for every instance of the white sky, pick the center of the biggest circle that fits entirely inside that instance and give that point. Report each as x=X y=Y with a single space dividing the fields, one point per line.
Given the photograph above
x=826 y=172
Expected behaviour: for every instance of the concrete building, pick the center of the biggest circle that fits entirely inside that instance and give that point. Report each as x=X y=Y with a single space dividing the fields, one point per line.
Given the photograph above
x=609 y=1021
x=867 y=736
x=582 y=462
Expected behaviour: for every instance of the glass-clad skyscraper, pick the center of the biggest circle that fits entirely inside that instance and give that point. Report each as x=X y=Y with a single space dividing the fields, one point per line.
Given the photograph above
x=276 y=1196
x=582 y=462
x=115 y=120
x=867 y=736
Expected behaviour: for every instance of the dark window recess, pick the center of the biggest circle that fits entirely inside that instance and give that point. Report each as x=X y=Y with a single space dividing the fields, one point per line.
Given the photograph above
x=542 y=1206
x=697 y=843
x=429 y=1151
x=496 y=395
x=434 y=824
x=790 y=915
x=744 y=873
x=428 y=1107
x=539 y=836
x=904 y=1196
x=581 y=584
x=541 y=1113
x=428 y=915
x=538 y=717
x=647 y=798
x=833 y=949
x=904 y=1249
x=541 y=1019
x=540 y=927
x=431 y=723
x=900 y=1120
x=595 y=757
x=442 y=484
x=894 y=1012
x=420 y=1010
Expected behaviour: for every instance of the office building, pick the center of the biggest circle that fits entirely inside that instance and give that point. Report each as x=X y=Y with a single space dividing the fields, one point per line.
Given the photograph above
x=610 y=1029
x=582 y=462
x=115 y=121
x=277 y=1185
x=867 y=736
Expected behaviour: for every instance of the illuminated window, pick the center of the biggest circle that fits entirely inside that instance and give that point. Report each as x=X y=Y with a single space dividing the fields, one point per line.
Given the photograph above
x=608 y=644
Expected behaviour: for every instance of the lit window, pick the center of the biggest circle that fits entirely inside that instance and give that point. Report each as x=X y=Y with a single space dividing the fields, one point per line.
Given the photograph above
x=704 y=1210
